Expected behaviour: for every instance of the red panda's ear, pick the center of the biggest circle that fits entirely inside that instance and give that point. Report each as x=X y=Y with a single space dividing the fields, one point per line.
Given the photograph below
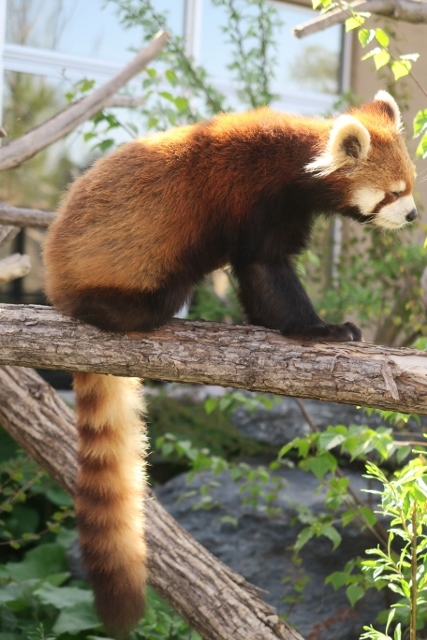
x=349 y=142
x=389 y=108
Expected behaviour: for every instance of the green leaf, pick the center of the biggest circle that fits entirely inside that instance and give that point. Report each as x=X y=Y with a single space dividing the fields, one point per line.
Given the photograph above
x=420 y=123
x=62 y=597
x=401 y=68
x=371 y=53
x=354 y=593
x=381 y=59
x=303 y=537
x=76 y=618
x=330 y=532
x=320 y=465
x=105 y=144
x=330 y=440
x=354 y=22
x=366 y=36
x=338 y=579
x=181 y=103
x=40 y=562
x=421 y=151
x=167 y=96
x=171 y=77
x=382 y=37
x=210 y=405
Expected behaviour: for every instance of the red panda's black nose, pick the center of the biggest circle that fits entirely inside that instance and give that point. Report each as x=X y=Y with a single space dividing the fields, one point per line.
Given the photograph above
x=410 y=217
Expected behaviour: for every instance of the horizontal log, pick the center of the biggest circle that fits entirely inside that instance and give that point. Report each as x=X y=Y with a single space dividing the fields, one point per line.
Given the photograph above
x=211 y=353
x=22 y=217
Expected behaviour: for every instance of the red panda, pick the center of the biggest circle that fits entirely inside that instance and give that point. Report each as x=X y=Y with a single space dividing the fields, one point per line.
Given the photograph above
x=144 y=224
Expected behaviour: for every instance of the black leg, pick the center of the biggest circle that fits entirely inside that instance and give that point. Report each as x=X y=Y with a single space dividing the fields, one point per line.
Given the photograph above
x=273 y=297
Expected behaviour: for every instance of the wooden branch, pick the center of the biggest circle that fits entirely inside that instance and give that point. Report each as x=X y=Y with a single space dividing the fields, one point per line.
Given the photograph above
x=25 y=217
x=8 y=233
x=412 y=11
x=210 y=353
x=217 y=602
x=14 y=267
x=18 y=151
x=127 y=102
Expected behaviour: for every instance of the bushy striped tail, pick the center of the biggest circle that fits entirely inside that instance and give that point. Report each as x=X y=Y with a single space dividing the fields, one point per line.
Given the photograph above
x=109 y=496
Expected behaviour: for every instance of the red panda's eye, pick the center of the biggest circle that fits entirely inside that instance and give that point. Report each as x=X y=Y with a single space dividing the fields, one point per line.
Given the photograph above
x=396 y=194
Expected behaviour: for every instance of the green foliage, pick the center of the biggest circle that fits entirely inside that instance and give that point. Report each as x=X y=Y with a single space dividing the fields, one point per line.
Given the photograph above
x=259 y=487
x=379 y=284
x=205 y=426
x=250 y=28
x=206 y=304
x=175 y=67
x=402 y=565
x=38 y=600
x=383 y=56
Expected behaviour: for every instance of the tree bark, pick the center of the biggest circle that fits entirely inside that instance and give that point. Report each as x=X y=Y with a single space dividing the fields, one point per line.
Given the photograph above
x=14 y=267
x=22 y=217
x=18 y=151
x=217 y=602
x=412 y=11
x=211 y=353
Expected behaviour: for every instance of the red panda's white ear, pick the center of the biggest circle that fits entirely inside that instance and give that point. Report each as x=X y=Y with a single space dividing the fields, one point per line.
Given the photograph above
x=391 y=108
x=349 y=142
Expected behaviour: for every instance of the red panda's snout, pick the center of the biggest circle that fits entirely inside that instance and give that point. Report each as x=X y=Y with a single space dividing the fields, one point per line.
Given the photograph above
x=391 y=209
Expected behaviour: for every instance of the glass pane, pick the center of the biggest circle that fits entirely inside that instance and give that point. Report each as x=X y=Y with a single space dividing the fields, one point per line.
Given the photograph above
x=88 y=28
x=308 y=65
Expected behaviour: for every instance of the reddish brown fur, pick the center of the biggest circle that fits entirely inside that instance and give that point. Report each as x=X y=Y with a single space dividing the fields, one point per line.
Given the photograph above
x=146 y=223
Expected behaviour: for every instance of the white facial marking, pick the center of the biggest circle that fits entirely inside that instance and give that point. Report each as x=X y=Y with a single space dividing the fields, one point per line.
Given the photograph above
x=393 y=215
x=366 y=199
x=398 y=187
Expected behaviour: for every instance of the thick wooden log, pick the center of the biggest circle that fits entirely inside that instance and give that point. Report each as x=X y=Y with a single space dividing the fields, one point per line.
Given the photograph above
x=217 y=602
x=209 y=353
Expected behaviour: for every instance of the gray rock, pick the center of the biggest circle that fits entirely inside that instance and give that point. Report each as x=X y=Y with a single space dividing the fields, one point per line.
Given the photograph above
x=259 y=547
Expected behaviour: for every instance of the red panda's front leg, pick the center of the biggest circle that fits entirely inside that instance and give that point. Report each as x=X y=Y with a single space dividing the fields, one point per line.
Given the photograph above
x=273 y=297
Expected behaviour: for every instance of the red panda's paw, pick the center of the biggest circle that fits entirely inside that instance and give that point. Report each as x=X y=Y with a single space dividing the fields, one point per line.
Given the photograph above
x=325 y=332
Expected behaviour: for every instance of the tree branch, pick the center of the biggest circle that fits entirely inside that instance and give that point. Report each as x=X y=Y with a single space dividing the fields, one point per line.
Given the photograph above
x=217 y=602
x=14 y=267
x=210 y=353
x=18 y=151
x=412 y=11
x=21 y=217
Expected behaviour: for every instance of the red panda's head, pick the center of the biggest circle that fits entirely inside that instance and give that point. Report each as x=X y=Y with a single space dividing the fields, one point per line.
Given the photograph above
x=367 y=157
